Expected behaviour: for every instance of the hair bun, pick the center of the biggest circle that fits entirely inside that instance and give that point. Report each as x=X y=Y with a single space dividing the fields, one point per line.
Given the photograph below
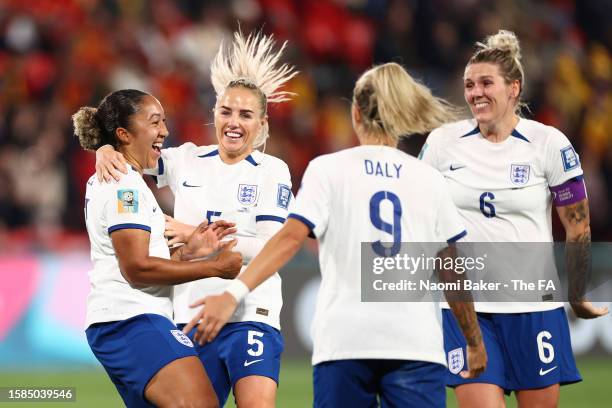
x=506 y=41
x=86 y=128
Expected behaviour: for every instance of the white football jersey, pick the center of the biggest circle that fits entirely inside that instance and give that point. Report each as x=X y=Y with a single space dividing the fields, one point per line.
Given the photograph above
x=502 y=190
x=109 y=207
x=257 y=189
x=343 y=195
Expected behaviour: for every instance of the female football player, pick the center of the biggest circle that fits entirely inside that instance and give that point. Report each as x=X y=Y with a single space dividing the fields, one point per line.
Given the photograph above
x=129 y=308
x=504 y=173
x=368 y=351
x=234 y=181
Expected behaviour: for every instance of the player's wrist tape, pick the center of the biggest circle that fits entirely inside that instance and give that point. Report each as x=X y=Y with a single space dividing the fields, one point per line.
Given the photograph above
x=238 y=289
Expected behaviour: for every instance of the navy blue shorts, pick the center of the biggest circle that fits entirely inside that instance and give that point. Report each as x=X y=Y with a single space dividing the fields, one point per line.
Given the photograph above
x=525 y=350
x=132 y=351
x=398 y=383
x=240 y=350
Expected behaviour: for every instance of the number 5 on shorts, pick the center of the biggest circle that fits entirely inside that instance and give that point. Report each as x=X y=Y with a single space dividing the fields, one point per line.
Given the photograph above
x=258 y=346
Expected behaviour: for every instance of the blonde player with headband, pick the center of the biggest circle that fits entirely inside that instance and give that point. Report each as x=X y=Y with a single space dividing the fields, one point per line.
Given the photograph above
x=368 y=352
x=235 y=182
x=505 y=173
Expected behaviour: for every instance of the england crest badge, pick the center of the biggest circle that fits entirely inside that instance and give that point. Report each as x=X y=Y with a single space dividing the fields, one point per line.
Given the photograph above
x=181 y=338
x=247 y=194
x=519 y=174
x=455 y=360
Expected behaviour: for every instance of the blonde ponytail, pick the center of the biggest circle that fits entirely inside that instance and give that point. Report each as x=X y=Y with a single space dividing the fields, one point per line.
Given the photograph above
x=252 y=63
x=393 y=104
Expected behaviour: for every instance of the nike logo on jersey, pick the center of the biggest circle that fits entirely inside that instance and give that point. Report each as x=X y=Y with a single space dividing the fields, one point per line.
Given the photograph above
x=189 y=185
x=154 y=209
x=248 y=363
x=454 y=167
x=544 y=372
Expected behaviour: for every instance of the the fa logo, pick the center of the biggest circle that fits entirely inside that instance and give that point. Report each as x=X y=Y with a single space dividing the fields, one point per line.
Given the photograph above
x=455 y=360
x=519 y=174
x=247 y=194
x=181 y=338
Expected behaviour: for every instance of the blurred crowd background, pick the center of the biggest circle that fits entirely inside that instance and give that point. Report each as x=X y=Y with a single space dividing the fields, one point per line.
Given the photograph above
x=58 y=55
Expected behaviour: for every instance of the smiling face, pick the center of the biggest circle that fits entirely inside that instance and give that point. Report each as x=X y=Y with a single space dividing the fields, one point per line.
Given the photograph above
x=238 y=120
x=489 y=97
x=146 y=133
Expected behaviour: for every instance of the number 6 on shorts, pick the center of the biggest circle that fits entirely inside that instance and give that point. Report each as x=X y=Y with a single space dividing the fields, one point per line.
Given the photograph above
x=546 y=352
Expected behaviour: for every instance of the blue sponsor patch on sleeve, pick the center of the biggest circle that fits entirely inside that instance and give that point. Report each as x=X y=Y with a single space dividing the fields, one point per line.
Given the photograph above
x=569 y=158
x=283 y=197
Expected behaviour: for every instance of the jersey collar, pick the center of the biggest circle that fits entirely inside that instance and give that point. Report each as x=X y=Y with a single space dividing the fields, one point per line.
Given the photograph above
x=515 y=133
x=215 y=152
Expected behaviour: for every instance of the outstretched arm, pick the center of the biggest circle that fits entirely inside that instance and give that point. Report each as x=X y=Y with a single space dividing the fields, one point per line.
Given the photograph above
x=281 y=248
x=575 y=218
x=275 y=254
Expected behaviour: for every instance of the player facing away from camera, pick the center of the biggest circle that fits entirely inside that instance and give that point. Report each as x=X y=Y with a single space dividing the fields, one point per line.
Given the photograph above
x=368 y=351
x=504 y=173
x=129 y=308
x=234 y=181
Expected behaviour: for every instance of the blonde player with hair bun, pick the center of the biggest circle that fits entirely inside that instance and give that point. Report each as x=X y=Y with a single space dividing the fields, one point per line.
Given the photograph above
x=368 y=352
x=505 y=173
x=235 y=182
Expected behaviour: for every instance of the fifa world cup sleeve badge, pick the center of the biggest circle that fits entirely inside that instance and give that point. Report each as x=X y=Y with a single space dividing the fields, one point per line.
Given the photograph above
x=569 y=158
x=127 y=201
x=283 y=196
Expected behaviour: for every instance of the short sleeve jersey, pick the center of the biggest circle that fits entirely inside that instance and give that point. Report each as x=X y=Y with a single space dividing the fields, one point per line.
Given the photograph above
x=253 y=190
x=502 y=190
x=109 y=207
x=366 y=194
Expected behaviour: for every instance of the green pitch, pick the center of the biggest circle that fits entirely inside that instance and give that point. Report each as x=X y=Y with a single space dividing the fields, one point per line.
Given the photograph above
x=94 y=389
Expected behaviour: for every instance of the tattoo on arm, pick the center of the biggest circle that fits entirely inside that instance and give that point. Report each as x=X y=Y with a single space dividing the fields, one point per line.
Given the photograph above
x=460 y=301
x=577 y=213
x=578 y=261
x=468 y=321
x=577 y=248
